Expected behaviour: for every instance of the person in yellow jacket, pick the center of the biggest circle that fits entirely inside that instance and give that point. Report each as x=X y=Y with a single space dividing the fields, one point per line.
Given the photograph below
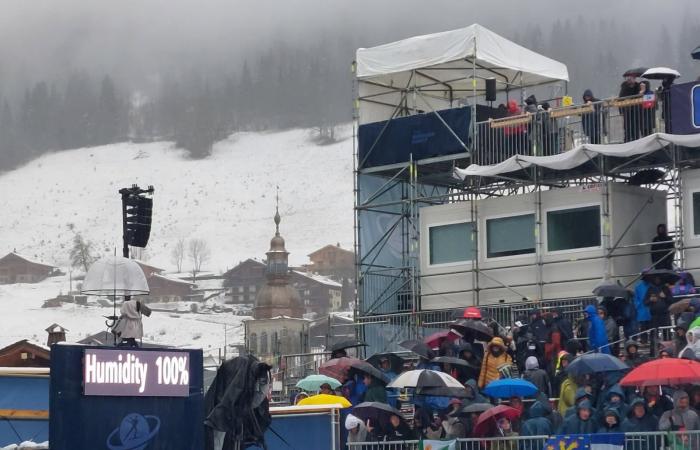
x=567 y=395
x=495 y=357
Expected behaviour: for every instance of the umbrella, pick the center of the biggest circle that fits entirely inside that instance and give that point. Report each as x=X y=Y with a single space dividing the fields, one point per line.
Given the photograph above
x=337 y=368
x=115 y=275
x=424 y=378
x=609 y=288
x=395 y=361
x=695 y=54
x=473 y=408
x=595 y=362
x=419 y=348
x=472 y=328
x=663 y=372
x=488 y=418
x=660 y=73
x=342 y=345
x=375 y=411
x=435 y=340
x=679 y=307
x=314 y=382
x=510 y=387
x=452 y=360
x=667 y=276
x=452 y=392
x=366 y=368
x=472 y=313
x=325 y=399
x=636 y=72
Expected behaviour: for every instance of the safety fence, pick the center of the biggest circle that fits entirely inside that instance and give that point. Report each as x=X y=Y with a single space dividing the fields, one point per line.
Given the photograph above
x=671 y=440
x=554 y=131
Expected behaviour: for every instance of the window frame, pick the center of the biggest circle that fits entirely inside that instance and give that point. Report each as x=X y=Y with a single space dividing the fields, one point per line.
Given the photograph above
x=475 y=244
x=545 y=226
x=485 y=239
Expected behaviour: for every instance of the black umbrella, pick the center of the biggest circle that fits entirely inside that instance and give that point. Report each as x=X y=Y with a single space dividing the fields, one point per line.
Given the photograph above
x=366 y=368
x=451 y=360
x=342 y=345
x=636 y=72
x=473 y=408
x=419 y=348
x=395 y=361
x=667 y=276
x=610 y=289
x=375 y=411
x=595 y=363
x=472 y=329
x=443 y=391
x=696 y=53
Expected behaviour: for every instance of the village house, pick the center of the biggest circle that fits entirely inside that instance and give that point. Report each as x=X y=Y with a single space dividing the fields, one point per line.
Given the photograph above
x=15 y=268
x=244 y=281
x=333 y=261
x=165 y=289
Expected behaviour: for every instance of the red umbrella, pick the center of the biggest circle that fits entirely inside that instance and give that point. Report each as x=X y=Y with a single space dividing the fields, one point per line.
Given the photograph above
x=472 y=313
x=487 y=420
x=663 y=372
x=338 y=367
x=435 y=340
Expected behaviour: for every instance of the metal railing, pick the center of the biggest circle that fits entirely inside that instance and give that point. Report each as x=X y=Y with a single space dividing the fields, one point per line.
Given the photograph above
x=554 y=131
x=657 y=440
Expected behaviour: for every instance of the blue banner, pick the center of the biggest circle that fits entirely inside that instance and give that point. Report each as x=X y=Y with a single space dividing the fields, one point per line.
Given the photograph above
x=603 y=441
x=422 y=135
x=80 y=422
x=685 y=108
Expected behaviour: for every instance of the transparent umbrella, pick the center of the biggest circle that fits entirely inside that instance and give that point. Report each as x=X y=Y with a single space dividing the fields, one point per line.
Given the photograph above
x=115 y=275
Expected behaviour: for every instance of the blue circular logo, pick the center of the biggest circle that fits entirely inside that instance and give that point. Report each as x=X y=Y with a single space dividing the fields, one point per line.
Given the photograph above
x=134 y=433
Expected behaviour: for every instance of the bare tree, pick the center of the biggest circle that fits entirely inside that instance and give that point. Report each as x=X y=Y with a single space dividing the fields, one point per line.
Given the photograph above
x=199 y=254
x=177 y=255
x=81 y=254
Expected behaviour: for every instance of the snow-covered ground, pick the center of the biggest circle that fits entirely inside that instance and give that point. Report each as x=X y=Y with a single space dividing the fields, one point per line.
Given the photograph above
x=227 y=199
x=24 y=318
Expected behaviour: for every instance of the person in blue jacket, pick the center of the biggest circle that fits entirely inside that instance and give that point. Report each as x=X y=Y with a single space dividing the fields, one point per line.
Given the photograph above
x=597 y=337
x=643 y=313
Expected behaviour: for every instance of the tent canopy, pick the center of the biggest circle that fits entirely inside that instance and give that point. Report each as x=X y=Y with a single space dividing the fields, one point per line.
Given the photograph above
x=449 y=59
x=581 y=155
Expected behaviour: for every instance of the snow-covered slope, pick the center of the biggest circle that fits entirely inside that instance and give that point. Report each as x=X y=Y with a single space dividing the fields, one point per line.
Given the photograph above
x=227 y=199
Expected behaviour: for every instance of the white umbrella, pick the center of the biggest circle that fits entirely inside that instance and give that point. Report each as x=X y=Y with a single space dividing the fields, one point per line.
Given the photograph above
x=115 y=275
x=660 y=73
x=424 y=378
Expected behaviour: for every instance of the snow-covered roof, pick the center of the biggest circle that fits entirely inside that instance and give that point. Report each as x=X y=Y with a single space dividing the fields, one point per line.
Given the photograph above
x=319 y=279
x=29 y=260
x=174 y=280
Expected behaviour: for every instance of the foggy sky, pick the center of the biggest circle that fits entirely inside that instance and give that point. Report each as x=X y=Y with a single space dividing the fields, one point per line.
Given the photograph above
x=138 y=41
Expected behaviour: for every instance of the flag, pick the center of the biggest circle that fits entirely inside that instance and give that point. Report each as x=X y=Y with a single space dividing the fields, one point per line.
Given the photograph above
x=606 y=441
x=437 y=445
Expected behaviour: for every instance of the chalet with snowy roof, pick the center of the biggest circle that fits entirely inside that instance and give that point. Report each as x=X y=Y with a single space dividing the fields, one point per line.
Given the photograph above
x=15 y=268
x=25 y=353
x=245 y=280
x=165 y=289
x=148 y=269
x=333 y=261
x=319 y=294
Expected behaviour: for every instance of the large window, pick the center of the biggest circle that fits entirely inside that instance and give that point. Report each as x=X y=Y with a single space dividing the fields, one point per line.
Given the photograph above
x=263 y=343
x=568 y=229
x=508 y=236
x=696 y=213
x=451 y=243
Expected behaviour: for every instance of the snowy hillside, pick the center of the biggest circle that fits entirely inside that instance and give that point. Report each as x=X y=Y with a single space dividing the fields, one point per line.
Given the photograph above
x=227 y=199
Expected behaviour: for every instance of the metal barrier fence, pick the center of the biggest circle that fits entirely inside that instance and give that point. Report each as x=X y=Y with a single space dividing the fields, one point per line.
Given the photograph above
x=555 y=131
x=672 y=440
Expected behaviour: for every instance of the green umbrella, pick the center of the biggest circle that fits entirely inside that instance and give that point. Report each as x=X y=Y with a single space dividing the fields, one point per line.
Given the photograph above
x=313 y=383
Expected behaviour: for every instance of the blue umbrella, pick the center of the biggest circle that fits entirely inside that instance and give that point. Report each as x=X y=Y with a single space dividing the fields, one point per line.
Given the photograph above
x=510 y=387
x=595 y=362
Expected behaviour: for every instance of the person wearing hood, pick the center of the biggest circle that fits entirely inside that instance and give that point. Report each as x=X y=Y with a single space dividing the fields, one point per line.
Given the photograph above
x=656 y=402
x=612 y=331
x=537 y=424
x=692 y=350
x=581 y=395
x=537 y=376
x=562 y=361
x=681 y=416
x=495 y=357
x=686 y=286
x=516 y=135
x=472 y=392
x=662 y=249
x=658 y=299
x=632 y=357
x=376 y=392
x=597 y=337
x=466 y=352
x=592 y=122
x=611 y=422
x=643 y=315
x=357 y=430
x=615 y=399
x=504 y=428
x=531 y=104
x=580 y=423
x=567 y=394
x=639 y=419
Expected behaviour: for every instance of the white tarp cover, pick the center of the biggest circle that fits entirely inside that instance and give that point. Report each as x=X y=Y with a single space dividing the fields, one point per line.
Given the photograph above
x=449 y=49
x=580 y=155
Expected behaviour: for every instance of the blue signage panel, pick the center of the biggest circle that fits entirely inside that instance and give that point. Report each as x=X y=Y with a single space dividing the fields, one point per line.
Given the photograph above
x=120 y=422
x=685 y=108
x=695 y=95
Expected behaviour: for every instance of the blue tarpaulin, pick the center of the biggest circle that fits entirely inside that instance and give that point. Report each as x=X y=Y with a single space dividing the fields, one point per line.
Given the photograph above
x=422 y=135
x=27 y=393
